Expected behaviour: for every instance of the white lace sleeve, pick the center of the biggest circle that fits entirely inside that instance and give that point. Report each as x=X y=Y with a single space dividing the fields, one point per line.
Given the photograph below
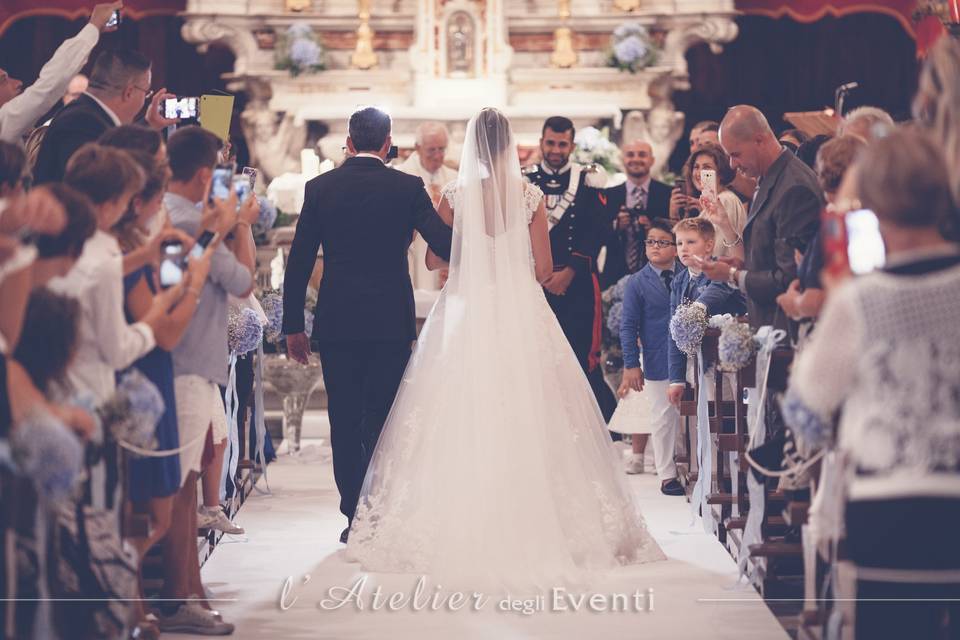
x=449 y=191
x=532 y=195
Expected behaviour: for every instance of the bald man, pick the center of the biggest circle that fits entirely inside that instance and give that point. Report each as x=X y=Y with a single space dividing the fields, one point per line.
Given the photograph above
x=630 y=207
x=426 y=161
x=785 y=207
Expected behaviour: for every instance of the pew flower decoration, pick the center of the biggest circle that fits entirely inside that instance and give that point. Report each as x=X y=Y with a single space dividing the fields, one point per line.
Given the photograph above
x=688 y=326
x=272 y=304
x=632 y=48
x=244 y=331
x=45 y=450
x=267 y=218
x=593 y=146
x=299 y=51
x=614 y=317
x=810 y=430
x=132 y=413
x=736 y=346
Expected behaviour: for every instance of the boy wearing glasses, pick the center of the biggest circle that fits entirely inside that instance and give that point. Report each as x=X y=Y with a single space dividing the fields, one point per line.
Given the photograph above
x=644 y=328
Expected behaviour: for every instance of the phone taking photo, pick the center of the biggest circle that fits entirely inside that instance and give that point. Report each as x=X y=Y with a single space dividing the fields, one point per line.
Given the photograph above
x=172 y=264
x=180 y=107
x=251 y=173
x=222 y=182
x=708 y=180
x=114 y=20
x=241 y=186
x=865 y=249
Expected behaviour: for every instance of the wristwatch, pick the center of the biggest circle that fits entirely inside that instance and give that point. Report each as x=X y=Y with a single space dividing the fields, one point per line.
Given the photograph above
x=732 y=277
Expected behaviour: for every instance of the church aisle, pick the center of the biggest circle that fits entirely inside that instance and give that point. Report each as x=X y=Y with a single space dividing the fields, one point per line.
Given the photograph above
x=293 y=534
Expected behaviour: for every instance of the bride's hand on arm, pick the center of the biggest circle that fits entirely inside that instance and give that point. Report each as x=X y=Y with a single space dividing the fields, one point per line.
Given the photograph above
x=434 y=262
x=540 y=243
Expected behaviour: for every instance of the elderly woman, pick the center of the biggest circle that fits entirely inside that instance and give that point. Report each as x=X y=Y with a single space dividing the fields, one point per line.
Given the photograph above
x=885 y=358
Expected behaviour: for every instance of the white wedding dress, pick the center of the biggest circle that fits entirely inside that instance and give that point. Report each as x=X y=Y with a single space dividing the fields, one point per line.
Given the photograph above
x=495 y=468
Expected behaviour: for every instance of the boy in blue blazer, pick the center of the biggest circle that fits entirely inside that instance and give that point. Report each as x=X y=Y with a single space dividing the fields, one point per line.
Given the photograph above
x=644 y=327
x=695 y=242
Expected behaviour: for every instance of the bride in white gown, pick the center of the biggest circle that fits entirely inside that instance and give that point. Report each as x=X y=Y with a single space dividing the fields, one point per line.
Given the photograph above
x=494 y=468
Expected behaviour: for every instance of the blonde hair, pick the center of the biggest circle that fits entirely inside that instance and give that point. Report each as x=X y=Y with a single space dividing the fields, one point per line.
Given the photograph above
x=698 y=225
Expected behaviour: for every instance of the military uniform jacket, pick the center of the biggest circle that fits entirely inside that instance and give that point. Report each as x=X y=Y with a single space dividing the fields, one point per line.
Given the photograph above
x=576 y=228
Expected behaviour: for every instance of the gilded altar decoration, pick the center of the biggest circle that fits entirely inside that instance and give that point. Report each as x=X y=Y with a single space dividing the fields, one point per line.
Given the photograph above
x=564 y=55
x=297 y=5
x=627 y=5
x=363 y=56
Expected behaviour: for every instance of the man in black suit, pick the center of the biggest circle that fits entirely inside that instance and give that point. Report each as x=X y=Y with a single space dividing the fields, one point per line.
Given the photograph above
x=785 y=208
x=364 y=215
x=119 y=86
x=630 y=208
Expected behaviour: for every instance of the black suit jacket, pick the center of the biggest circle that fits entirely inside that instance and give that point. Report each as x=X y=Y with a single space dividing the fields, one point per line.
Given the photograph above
x=787 y=205
x=78 y=123
x=363 y=214
x=658 y=206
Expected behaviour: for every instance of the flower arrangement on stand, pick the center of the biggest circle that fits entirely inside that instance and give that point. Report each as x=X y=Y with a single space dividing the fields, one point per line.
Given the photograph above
x=632 y=48
x=298 y=51
x=593 y=146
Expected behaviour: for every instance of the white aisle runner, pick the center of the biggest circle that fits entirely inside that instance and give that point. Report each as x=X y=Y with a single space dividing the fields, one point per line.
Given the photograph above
x=293 y=534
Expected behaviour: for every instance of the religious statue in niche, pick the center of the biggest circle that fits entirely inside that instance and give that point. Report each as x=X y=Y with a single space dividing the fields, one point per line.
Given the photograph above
x=460 y=50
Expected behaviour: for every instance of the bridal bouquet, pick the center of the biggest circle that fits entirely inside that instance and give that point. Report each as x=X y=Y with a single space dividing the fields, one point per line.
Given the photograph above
x=299 y=51
x=632 y=48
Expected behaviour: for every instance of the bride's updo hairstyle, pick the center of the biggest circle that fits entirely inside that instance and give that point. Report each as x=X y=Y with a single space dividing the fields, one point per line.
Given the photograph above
x=493 y=132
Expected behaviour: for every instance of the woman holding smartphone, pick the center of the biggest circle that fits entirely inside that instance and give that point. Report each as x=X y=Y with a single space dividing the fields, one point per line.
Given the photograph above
x=153 y=482
x=717 y=203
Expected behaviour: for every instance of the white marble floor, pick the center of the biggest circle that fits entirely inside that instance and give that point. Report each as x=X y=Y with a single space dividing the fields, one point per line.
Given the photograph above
x=292 y=534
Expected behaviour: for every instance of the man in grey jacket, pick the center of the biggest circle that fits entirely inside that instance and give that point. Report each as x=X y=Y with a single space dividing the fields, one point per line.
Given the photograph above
x=785 y=207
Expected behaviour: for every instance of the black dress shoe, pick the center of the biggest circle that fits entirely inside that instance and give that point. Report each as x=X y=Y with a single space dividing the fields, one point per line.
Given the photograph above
x=344 y=535
x=671 y=488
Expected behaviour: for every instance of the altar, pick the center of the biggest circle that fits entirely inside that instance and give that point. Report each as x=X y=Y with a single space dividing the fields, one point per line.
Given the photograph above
x=442 y=60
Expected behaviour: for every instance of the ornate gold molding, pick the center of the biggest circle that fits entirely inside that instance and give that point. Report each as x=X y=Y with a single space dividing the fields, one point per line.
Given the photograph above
x=564 y=55
x=364 y=56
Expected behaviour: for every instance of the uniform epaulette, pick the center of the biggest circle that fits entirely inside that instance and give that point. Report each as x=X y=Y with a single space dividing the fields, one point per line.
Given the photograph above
x=530 y=169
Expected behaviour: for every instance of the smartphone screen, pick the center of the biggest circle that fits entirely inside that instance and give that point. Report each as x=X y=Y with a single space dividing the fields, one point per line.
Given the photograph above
x=241 y=185
x=114 y=20
x=179 y=107
x=171 y=266
x=865 y=249
x=222 y=182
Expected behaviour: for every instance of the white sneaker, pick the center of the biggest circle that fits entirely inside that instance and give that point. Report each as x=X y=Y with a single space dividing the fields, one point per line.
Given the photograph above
x=634 y=463
x=192 y=618
x=215 y=518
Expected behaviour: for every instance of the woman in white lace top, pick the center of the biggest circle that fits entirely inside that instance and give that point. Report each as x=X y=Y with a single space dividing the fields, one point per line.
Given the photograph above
x=886 y=358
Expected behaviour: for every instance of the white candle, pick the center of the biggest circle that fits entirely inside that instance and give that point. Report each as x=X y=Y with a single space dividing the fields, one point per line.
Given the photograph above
x=309 y=163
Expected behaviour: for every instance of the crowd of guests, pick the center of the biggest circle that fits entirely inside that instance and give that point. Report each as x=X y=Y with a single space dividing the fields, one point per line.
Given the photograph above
x=84 y=305
x=875 y=377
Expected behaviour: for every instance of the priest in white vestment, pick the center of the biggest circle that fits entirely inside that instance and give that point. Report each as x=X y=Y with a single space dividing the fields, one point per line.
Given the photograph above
x=427 y=162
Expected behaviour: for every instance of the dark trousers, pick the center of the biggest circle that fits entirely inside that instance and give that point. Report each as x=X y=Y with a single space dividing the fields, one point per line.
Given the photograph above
x=361 y=379
x=576 y=313
x=907 y=534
